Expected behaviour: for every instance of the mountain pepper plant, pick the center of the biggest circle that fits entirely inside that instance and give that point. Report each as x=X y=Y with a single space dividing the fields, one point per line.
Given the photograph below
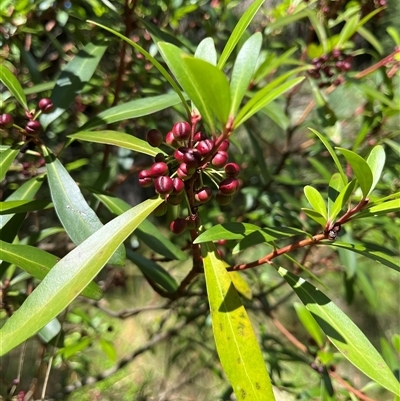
x=240 y=227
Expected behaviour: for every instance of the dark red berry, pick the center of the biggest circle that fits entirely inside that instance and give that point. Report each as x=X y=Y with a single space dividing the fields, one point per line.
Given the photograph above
x=192 y=158
x=170 y=140
x=159 y=169
x=324 y=58
x=178 y=184
x=179 y=153
x=336 y=53
x=203 y=194
x=163 y=185
x=46 y=105
x=232 y=170
x=145 y=179
x=160 y=210
x=228 y=186
x=154 y=137
x=183 y=172
x=178 y=226
x=222 y=199
x=182 y=131
x=187 y=169
x=199 y=136
x=219 y=159
x=26 y=165
x=159 y=157
x=33 y=127
x=174 y=199
x=222 y=242
x=6 y=121
x=205 y=146
x=224 y=145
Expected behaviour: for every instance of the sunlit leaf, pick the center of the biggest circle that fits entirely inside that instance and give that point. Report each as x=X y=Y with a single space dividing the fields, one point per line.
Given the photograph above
x=23 y=206
x=241 y=285
x=341 y=200
x=380 y=210
x=342 y=332
x=13 y=85
x=7 y=157
x=316 y=200
x=312 y=214
x=236 y=343
x=376 y=162
x=206 y=51
x=67 y=279
x=310 y=324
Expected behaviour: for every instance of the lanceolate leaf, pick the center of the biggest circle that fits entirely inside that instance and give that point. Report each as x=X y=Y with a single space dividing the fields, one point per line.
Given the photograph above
x=376 y=161
x=343 y=333
x=371 y=251
x=341 y=200
x=23 y=206
x=316 y=200
x=78 y=219
x=336 y=185
x=38 y=263
x=117 y=139
x=243 y=69
x=153 y=270
x=312 y=214
x=360 y=168
x=236 y=343
x=237 y=33
x=67 y=279
x=381 y=209
x=73 y=78
x=206 y=51
x=7 y=157
x=310 y=324
x=133 y=109
x=13 y=85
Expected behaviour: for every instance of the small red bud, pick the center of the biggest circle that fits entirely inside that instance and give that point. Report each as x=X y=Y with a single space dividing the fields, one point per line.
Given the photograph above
x=219 y=159
x=224 y=145
x=178 y=184
x=205 y=146
x=46 y=105
x=145 y=179
x=163 y=185
x=159 y=169
x=179 y=153
x=203 y=195
x=6 y=121
x=192 y=158
x=170 y=140
x=228 y=186
x=232 y=169
x=199 y=136
x=178 y=226
x=33 y=127
x=154 y=137
x=182 y=131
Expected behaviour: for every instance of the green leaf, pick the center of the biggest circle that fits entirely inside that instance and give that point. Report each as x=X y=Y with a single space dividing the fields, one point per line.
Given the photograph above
x=316 y=200
x=286 y=20
x=336 y=185
x=332 y=153
x=133 y=109
x=382 y=209
x=348 y=30
x=243 y=70
x=236 y=343
x=109 y=349
x=152 y=60
x=360 y=168
x=117 y=139
x=238 y=31
x=226 y=231
x=153 y=270
x=342 y=332
x=241 y=285
x=310 y=324
x=73 y=78
x=341 y=200
x=206 y=51
x=372 y=251
x=38 y=263
x=312 y=214
x=67 y=279
x=146 y=231
x=7 y=157
x=375 y=94
x=13 y=85
x=265 y=96
x=376 y=161
x=23 y=206
x=48 y=332
x=76 y=216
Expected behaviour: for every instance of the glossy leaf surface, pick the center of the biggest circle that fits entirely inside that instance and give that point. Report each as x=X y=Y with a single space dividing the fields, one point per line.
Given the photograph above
x=376 y=161
x=6 y=159
x=310 y=324
x=316 y=200
x=117 y=139
x=23 y=206
x=76 y=216
x=13 y=85
x=206 y=51
x=342 y=332
x=67 y=279
x=38 y=263
x=341 y=200
x=73 y=78
x=236 y=343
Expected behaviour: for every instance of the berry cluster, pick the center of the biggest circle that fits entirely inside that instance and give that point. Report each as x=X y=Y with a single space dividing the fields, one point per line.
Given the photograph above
x=329 y=67
x=178 y=176
x=33 y=126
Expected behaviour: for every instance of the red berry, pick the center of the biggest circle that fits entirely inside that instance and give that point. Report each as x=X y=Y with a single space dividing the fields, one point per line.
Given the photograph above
x=203 y=195
x=187 y=169
x=46 y=105
x=154 y=137
x=160 y=210
x=174 y=199
x=228 y=186
x=178 y=184
x=179 y=153
x=182 y=131
x=224 y=145
x=336 y=53
x=183 y=173
x=219 y=159
x=205 y=146
x=6 y=121
x=163 y=185
x=178 y=226
x=158 y=169
x=199 y=136
x=33 y=127
x=192 y=158
x=170 y=140
x=145 y=179
x=232 y=170
x=222 y=199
